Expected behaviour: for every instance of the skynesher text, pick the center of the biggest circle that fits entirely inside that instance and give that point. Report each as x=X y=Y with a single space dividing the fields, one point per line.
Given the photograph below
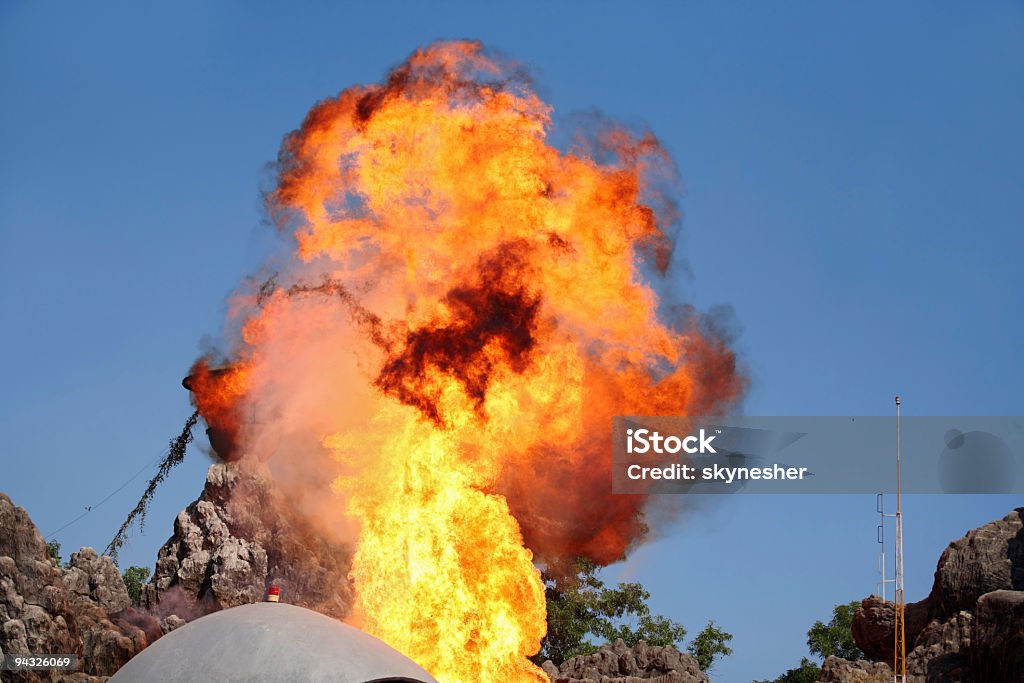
x=715 y=473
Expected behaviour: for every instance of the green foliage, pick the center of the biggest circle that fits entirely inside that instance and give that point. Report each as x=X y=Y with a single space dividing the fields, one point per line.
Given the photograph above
x=53 y=550
x=835 y=637
x=133 y=578
x=652 y=629
x=807 y=672
x=581 y=607
x=708 y=644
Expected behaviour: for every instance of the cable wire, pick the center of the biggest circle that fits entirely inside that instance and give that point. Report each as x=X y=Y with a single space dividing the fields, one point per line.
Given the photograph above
x=90 y=508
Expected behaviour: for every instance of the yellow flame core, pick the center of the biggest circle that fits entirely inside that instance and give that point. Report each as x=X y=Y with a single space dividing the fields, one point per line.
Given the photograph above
x=440 y=570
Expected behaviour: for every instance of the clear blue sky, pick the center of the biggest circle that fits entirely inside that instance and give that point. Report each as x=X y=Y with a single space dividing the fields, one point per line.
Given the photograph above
x=853 y=176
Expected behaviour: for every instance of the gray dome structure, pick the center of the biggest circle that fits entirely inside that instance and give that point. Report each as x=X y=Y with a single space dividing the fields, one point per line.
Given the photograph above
x=269 y=643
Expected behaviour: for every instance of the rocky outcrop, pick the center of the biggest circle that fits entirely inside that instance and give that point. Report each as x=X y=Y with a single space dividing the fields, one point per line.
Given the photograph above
x=938 y=648
x=101 y=606
x=234 y=541
x=987 y=559
x=997 y=652
x=227 y=547
x=941 y=651
x=836 y=670
x=968 y=626
x=89 y=577
x=83 y=609
x=35 y=612
x=617 y=663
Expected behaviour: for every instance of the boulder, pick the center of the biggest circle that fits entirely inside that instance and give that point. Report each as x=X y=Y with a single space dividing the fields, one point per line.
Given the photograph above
x=987 y=559
x=873 y=626
x=91 y=577
x=836 y=670
x=997 y=652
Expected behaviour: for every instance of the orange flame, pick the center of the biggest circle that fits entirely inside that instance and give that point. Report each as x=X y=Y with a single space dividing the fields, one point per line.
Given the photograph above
x=467 y=308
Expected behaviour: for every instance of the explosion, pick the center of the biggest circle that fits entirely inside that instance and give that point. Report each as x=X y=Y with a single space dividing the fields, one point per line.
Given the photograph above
x=439 y=359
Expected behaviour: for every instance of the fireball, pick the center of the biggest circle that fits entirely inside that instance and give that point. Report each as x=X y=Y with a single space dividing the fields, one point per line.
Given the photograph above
x=464 y=308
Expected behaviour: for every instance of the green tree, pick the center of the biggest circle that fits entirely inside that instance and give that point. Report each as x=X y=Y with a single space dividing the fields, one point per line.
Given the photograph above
x=53 y=550
x=133 y=578
x=835 y=637
x=581 y=607
x=807 y=672
x=708 y=644
x=823 y=640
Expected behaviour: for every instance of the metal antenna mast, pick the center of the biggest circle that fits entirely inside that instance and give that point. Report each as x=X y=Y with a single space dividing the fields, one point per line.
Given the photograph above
x=880 y=585
x=899 y=667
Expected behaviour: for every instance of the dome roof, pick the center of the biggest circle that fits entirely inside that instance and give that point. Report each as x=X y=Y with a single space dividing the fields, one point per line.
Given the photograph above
x=269 y=642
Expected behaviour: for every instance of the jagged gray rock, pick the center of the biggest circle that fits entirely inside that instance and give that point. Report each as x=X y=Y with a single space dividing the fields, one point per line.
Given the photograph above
x=235 y=540
x=89 y=576
x=227 y=546
x=109 y=632
x=617 y=663
x=83 y=610
x=35 y=612
x=168 y=624
x=836 y=670
x=997 y=652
